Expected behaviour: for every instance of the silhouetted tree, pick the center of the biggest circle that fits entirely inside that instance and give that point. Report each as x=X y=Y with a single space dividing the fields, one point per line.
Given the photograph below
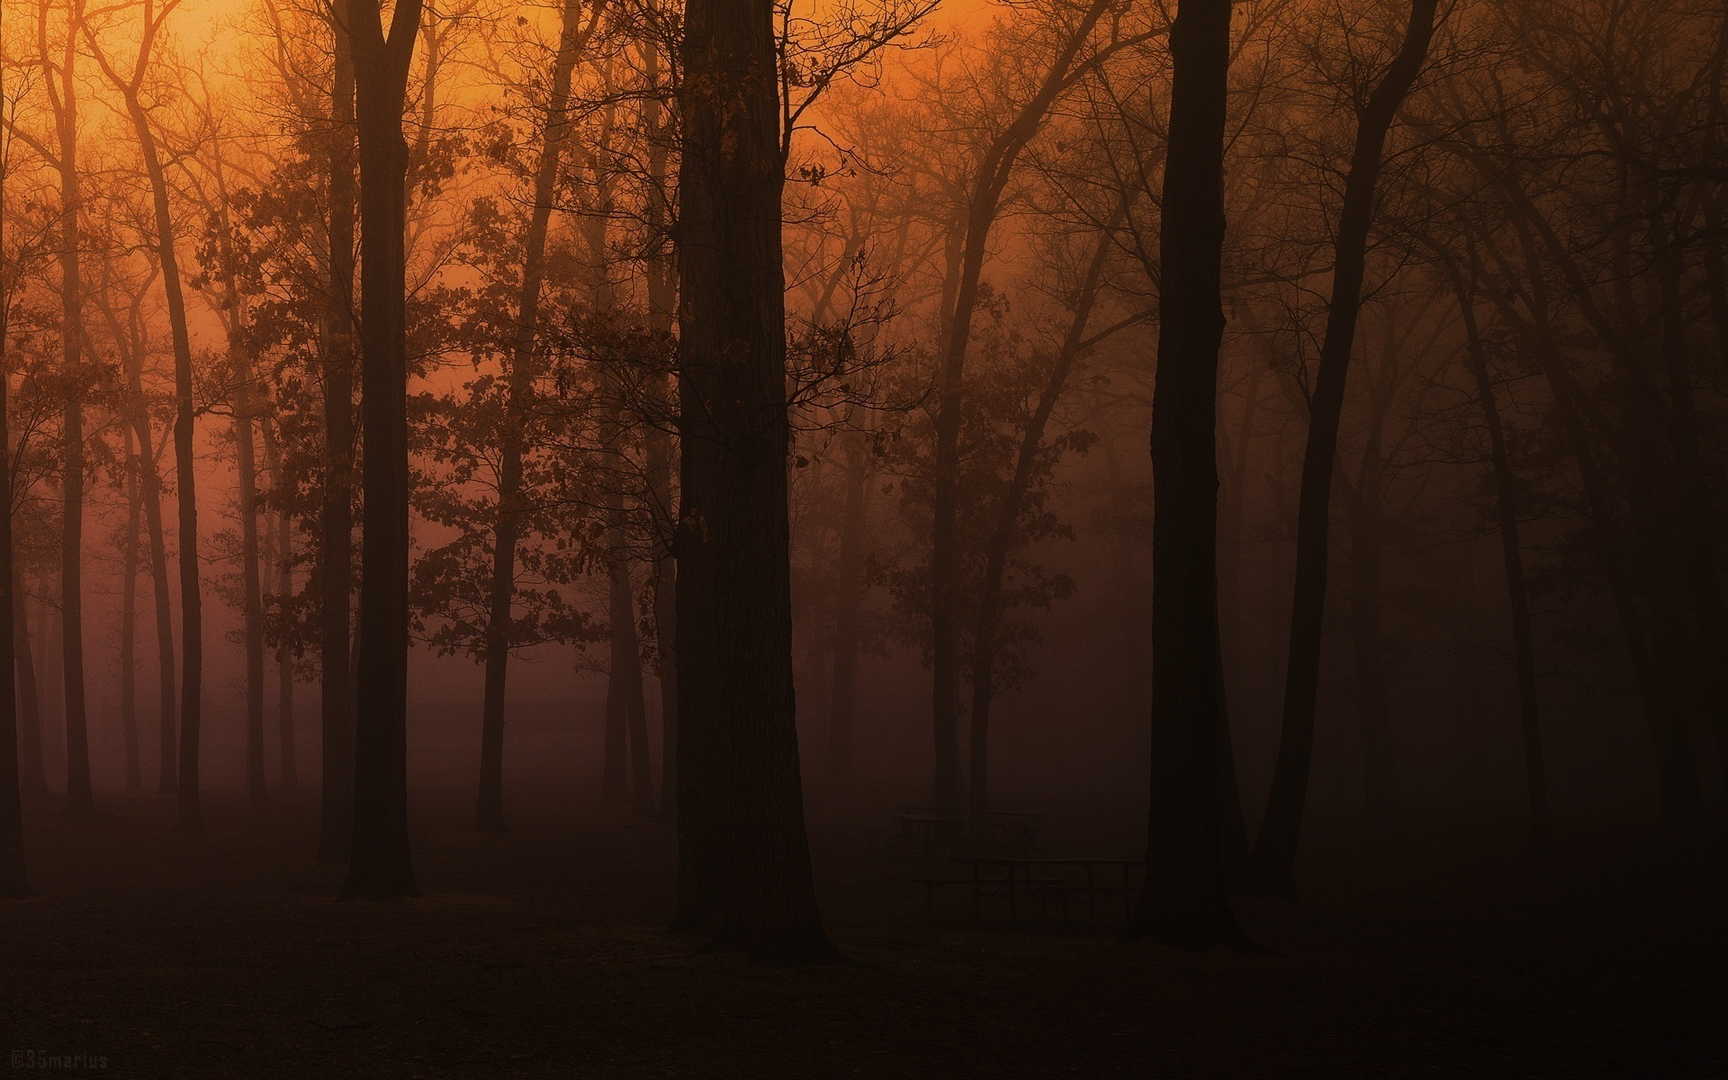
x=1183 y=901
x=743 y=858
x=1281 y=828
x=380 y=865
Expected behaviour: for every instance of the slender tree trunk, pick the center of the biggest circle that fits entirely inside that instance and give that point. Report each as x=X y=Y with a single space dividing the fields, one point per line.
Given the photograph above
x=1512 y=560
x=336 y=511
x=507 y=531
x=849 y=609
x=252 y=600
x=1002 y=536
x=983 y=205
x=129 y=617
x=1183 y=901
x=150 y=483
x=380 y=864
x=33 y=770
x=1373 y=704
x=191 y=818
x=743 y=857
x=283 y=555
x=658 y=451
x=14 y=881
x=1281 y=829
x=78 y=794
x=626 y=711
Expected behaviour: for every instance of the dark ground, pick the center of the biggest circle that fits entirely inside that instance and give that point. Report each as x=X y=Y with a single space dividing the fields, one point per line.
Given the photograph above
x=542 y=953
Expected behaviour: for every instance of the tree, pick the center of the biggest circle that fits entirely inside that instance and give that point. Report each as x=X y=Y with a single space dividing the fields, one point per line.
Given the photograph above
x=380 y=865
x=130 y=87
x=1183 y=901
x=572 y=39
x=1274 y=859
x=743 y=858
x=14 y=881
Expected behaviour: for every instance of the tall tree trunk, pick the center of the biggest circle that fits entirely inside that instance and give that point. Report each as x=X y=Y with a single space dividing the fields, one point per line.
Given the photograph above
x=658 y=451
x=78 y=795
x=983 y=205
x=743 y=857
x=129 y=617
x=283 y=555
x=252 y=599
x=1002 y=536
x=380 y=864
x=626 y=711
x=1281 y=828
x=1183 y=900
x=849 y=608
x=507 y=530
x=336 y=509
x=14 y=881
x=191 y=817
x=150 y=483
x=1512 y=561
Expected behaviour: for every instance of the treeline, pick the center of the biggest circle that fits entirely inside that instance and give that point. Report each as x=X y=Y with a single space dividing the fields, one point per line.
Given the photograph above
x=717 y=338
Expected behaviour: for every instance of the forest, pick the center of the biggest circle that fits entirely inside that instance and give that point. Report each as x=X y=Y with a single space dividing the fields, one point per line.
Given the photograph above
x=863 y=537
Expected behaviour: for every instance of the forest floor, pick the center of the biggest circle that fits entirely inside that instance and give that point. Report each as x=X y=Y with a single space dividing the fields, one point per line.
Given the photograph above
x=542 y=953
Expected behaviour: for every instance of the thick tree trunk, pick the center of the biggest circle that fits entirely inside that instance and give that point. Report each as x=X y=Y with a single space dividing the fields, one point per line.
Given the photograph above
x=336 y=510
x=1281 y=829
x=380 y=865
x=1183 y=901
x=743 y=857
x=507 y=530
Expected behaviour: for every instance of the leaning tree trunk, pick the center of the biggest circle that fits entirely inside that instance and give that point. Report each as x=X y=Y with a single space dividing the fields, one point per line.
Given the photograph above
x=336 y=508
x=1281 y=829
x=1183 y=900
x=743 y=857
x=507 y=530
x=380 y=864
